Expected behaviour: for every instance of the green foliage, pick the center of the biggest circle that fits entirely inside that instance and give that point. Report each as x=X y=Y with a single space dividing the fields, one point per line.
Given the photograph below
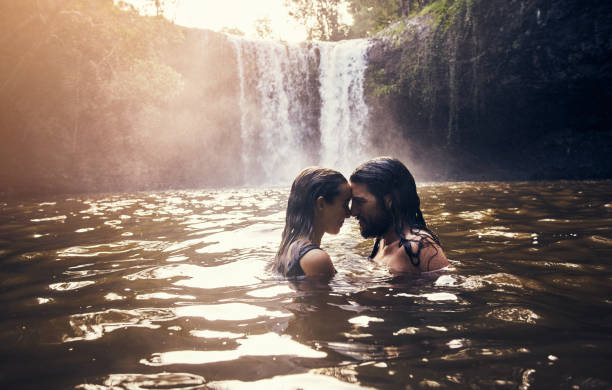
x=437 y=8
x=379 y=85
x=323 y=19
x=232 y=31
x=263 y=28
x=74 y=74
x=373 y=16
x=424 y=69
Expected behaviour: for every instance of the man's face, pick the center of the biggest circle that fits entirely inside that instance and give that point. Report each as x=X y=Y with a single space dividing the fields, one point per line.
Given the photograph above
x=374 y=219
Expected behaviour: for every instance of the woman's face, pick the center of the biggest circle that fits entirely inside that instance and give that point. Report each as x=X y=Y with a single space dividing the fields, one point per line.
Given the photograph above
x=337 y=211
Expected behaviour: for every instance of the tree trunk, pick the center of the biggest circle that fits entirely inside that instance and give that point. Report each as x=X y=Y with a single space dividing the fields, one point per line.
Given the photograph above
x=77 y=105
x=404 y=8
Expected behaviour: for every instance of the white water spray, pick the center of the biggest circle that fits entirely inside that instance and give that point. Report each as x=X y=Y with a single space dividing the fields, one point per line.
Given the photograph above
x=301 y=104
x=344 y=112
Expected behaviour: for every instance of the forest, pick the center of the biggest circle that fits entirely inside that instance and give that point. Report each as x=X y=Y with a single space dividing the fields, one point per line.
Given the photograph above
x=97 y=97
x=92 y=93
x=91 y=98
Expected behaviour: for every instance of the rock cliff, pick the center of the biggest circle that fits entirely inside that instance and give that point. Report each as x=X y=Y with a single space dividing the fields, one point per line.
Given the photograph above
x=483 y=89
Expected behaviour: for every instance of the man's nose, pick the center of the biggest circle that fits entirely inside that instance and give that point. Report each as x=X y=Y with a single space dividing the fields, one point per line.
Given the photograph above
x=354 y=210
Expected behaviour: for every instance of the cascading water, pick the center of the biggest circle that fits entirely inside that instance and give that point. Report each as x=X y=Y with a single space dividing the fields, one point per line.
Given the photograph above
x=301 y=104
x=343 y=110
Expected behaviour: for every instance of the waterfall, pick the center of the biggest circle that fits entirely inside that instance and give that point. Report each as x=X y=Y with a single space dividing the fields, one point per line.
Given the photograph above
x=301 y=104
x=343 y=110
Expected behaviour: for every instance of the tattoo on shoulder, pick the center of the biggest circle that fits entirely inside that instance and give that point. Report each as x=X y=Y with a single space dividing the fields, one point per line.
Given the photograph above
x=424 y=240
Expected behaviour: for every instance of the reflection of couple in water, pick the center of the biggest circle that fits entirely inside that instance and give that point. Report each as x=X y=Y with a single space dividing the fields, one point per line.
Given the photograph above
x=383 y=198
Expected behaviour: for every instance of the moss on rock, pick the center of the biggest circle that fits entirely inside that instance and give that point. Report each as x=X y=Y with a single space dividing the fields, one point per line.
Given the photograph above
x=486 y=81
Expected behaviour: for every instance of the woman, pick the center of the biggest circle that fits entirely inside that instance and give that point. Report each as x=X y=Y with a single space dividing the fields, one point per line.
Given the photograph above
x=318 y=204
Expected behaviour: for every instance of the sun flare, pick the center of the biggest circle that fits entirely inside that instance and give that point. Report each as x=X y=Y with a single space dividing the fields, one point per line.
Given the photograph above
x=242 y=15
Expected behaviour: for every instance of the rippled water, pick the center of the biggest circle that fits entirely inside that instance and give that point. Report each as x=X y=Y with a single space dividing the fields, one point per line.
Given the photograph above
x=171 y=290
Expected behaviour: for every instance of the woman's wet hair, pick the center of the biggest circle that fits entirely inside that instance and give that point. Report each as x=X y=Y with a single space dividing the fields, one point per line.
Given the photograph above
x=309 y=184
x=384 y=176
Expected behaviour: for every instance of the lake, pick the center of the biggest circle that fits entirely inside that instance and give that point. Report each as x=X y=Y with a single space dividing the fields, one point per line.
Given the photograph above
x=171 y=290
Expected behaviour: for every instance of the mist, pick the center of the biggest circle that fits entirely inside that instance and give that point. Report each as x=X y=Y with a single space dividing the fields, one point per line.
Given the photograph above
x=188 y=109
x=98 y=99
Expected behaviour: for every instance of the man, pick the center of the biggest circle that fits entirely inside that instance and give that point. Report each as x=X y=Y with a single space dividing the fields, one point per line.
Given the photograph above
x=386 y=203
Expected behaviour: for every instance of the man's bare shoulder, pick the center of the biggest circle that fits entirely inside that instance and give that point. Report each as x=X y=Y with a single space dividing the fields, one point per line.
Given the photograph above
x=317 y=263
x=426 y=251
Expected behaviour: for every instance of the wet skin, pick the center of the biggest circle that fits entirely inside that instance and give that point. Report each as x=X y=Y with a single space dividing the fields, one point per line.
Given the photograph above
x=337 y=211
x=373 y=222
x=329 y=218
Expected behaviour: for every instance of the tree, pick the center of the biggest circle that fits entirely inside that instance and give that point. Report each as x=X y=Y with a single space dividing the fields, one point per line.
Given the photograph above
x=232 y=31
x=323 y=19
x=371 y=16
x=162 y=7
x=263 y=28
x=74 y=76
x=151 y=7
x=404 y=8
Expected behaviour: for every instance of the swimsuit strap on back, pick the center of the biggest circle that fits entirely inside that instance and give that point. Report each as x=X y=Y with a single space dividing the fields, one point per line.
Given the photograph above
x=293 y=267
x=406 y=244
x=306 y=249
x=402 y=242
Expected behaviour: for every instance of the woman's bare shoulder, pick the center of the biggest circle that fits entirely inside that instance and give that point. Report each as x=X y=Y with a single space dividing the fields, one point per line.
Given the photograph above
x=316 y=262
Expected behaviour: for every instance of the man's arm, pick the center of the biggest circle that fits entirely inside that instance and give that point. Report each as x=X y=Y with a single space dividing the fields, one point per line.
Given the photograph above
x=431 y=257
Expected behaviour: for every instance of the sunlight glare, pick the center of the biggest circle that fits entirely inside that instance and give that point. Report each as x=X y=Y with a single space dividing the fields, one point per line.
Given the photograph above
x=232 y=14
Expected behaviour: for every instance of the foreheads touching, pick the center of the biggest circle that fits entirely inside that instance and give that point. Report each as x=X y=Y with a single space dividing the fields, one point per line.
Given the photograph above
x=388 y=177
x=312 y=183
x=383 y=190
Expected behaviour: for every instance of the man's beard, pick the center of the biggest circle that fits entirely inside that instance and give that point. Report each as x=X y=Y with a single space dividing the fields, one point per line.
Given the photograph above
x=376 y=225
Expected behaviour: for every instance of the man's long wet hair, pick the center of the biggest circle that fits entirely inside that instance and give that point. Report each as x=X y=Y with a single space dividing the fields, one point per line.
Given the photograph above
x=309 y=184
x=384 y=176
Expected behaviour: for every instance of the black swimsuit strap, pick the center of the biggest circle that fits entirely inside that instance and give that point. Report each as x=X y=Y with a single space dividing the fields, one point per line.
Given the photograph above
x=406 y=244
x=306 y=249
x=375 y=249
x=293 y=267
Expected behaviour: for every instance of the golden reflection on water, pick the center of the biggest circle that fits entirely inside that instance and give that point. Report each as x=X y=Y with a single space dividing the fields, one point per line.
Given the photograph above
x=409 y=330
x=182 y=278
x=164 y=380
x=364 y=321
x=163 y=295
x=270 y=292
x=114 y=297
x=441 y=296
x=514 y=314
x=257 y=234
x=228 y=312
x=315 y=379
x=91 y=326
x=268 y=344
x=66 y=286
x=231 y=274
x=212 y=334
x=61 y=218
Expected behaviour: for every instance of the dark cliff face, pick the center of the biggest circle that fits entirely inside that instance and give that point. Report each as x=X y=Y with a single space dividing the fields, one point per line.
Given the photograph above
x=467 y=90
x=499 y=89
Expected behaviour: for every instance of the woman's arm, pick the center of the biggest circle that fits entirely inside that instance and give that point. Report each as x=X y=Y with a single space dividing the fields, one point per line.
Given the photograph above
x=317 y=263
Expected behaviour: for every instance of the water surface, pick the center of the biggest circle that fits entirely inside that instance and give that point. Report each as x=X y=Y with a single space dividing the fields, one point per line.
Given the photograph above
x=171 y=290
